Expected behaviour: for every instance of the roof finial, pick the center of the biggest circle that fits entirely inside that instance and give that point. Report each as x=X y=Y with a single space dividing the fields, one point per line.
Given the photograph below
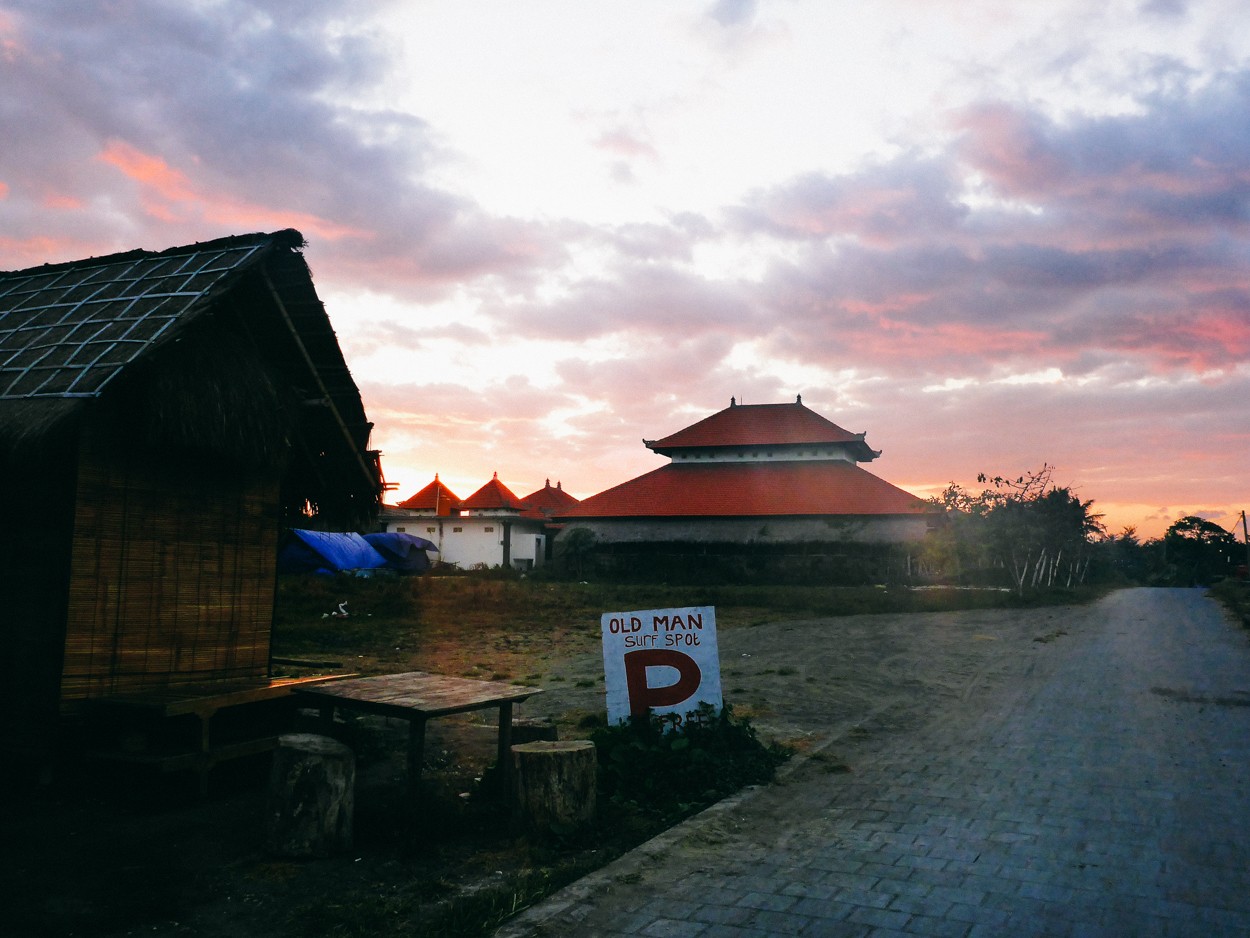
x=798 y=398
x=733 y=402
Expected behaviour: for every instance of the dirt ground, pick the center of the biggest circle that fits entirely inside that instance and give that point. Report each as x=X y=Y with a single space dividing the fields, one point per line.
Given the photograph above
x=111 y=857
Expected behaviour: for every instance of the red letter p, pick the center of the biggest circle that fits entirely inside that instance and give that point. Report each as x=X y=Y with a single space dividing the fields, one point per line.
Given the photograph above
x=642 y=697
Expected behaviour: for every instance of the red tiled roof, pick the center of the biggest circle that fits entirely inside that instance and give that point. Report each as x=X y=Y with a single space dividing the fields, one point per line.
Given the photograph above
x=434 y=497
x=762 y=425
x=548 y=497
x=735 y=489
x=494 y=494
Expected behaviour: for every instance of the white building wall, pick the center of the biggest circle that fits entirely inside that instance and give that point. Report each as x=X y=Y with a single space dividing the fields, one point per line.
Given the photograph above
x=469 y=541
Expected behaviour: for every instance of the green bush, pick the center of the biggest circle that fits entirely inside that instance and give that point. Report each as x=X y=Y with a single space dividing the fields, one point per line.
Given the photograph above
x=670 y=773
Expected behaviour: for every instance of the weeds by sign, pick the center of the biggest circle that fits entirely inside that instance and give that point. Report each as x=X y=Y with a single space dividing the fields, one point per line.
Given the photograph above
x=661 y=661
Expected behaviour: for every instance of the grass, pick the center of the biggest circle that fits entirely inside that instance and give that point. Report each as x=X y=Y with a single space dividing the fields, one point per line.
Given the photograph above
x=1235 y=596
x=391 y=607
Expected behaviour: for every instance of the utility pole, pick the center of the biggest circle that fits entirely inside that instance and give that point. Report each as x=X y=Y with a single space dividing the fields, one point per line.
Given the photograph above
x=1245 y=537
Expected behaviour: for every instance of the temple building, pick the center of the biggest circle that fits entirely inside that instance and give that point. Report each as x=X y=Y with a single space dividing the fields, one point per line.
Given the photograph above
x=756 y=474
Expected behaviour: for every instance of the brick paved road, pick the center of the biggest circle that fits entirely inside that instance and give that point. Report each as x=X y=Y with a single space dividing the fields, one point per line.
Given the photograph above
x=1104 y=794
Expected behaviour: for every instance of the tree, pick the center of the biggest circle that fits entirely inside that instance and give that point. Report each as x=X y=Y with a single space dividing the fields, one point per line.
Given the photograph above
x=1125 y=554
x=1198 y=551
x=575 y=550
x=1039 y=533
x=958 y=544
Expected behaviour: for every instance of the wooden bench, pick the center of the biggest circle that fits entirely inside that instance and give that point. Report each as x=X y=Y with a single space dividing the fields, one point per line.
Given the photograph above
x=200 y=703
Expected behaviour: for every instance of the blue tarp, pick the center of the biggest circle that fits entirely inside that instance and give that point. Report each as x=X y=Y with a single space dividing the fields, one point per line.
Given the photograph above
x=304 y=551
x=405 y=553
x=326 y=552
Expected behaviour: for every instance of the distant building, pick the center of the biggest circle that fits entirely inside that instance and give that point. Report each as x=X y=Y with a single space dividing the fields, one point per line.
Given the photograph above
x=758 y=474
x=435 y=500
x=492 y=527
x=548 y=503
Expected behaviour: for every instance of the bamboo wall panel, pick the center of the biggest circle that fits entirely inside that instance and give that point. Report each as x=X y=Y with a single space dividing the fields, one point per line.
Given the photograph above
x=172 y=580
x=35 y=518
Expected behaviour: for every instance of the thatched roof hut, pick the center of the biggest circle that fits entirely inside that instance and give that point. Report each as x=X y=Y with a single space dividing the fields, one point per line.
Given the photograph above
x=220 y=351
x=162 y=416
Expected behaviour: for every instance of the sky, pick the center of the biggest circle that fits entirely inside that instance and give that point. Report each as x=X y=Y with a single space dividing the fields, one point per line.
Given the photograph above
x=993 y=235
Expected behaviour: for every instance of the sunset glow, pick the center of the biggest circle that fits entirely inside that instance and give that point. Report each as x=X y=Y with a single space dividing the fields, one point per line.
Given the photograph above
x=991 y=235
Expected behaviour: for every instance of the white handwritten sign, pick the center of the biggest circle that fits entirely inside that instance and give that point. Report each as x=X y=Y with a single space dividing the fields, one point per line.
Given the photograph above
x=662 y=661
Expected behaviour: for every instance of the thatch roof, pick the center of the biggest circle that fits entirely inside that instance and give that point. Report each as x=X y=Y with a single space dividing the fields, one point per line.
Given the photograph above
x=219 y=350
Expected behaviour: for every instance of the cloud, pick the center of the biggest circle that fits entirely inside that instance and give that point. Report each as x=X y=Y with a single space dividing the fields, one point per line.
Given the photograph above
x=901 y=201
x=155 y=125
x=168 y=196
x=635 y=299
x=626 y=143
x=1178 y=165
x=733 y=12
x=1027 y=240
x=1165 y=8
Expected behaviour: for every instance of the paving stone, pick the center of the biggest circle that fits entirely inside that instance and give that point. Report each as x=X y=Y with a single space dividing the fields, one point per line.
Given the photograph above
x=722 y=914
x=733 y=931
x=763 y=900
x=936 y=927
x=670 y=928
x=779 y=923
x=880 y=918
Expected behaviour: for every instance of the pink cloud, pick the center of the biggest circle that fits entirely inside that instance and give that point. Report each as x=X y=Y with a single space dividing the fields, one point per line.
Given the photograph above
x=63 y=202
x=901 y=201
x=167 y=195
x=625 y=143
x=10 y=48
x=1010 y=148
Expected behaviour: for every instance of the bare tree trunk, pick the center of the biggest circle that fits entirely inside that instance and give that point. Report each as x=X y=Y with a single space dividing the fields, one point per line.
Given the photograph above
x=1039 y=568
x=1019 y=571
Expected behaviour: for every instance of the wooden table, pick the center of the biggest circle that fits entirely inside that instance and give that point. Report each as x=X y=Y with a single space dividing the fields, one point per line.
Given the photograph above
x=203 y=702
x=417 y=696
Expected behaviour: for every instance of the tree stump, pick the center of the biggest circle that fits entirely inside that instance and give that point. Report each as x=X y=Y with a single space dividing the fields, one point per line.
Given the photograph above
x=553 y=785
x=533 y=731
x=311 y=797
